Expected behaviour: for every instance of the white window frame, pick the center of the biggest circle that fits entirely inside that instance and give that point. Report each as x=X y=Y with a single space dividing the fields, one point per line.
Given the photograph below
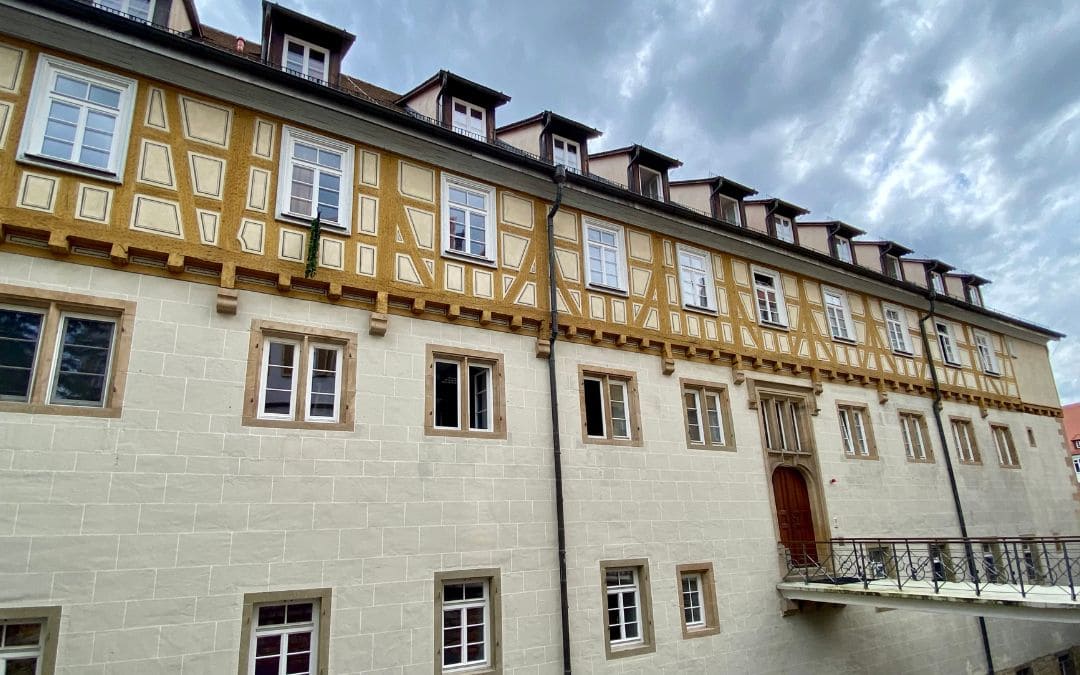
x=469 y=108
x=781 y=418
x=1076 y=466
x=620 y=253
x=693 y=599
x=966 y=447
x=463 y=606
x=778 y=293
x=124 y=7
x=308 y=49
x=974 y=296
x=33 y=132
x=911 y=430
x=338 y=375
x=54 y=376
x=897 y=329
x=1076 y=444
x=635 y=586
x=706 y=273
x=892 y=267
x=39 y=345
x=988 y=360
x=785 y=228
x=289 y=137
x=34 y=651
x=937 y=282
x=311 y=627
x=1006 y=448
x=843 y=250
x=565 y=152
x=264 y=371
x=838 y=315
x=646 y=176
x=946 y=344
x=854 y=431
x=465 y=393
x=490 y=223
x=721 y=200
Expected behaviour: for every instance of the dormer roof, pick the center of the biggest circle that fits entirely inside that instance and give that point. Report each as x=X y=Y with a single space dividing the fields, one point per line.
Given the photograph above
x=721 y=185
x=889 y=247
x=458 y=86
x=933 y=265
x=837 y=227
x=969 y=278
x=556 y=124
x=780 y=207
x=643 y=156
x=305 y=28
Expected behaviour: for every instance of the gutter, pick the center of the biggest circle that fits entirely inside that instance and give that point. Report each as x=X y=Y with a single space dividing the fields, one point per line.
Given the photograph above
x=972 y=569
x=559 y=178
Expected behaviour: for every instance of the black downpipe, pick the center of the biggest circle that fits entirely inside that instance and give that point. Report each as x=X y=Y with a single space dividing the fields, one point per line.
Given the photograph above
x=556 y=444
x=969 y=554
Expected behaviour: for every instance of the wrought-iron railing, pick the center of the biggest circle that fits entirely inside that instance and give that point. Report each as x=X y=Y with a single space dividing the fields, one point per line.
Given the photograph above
x=1024 y=565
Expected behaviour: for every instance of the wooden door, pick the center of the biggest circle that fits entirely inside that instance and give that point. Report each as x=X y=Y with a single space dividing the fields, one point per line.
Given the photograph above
x=793 y=515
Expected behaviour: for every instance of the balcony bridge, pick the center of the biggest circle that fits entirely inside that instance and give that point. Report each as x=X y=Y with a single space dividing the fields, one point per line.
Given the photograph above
x=1033 y=578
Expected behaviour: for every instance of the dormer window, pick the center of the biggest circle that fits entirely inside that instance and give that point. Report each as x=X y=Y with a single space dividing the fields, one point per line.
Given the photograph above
x=843 y=250
x=974 y=295
x=652 y=183
x=729 y=210
x=304 y=58
x=785 y=231
x=567 y=153
x=892 y=267
x=136 y=9
x=469 y=119
x=937 y=282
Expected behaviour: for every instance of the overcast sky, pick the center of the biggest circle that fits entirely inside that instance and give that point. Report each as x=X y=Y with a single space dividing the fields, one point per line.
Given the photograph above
x=953 y=128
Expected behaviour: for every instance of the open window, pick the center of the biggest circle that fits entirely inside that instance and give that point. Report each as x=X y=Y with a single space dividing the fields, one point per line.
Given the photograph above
x=949 y=354
x=465 y=395
x=769 y=296
x=838 y=314
x=609 y=407
x=696 y=279
x=896 y=328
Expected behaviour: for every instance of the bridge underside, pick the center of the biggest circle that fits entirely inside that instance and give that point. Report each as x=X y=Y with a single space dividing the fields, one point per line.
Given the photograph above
x=1042 y=603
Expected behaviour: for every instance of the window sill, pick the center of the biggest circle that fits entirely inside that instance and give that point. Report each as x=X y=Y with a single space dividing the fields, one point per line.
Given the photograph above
x=774 y=326
x=862 y=458
x=991 y=373
x=295 y=424
x=468 y=257
x=70 y=167
x=303 y=221
x=620 y=652
x=54 y=409
x=915 y=460
x=706 y=631
x=845 y=341
x=901 y=352
x=951 y=364
x=975 y=463
x=711 y=448
x=596 y=440
x=1010 y=466
x=466 y=433
x=709 y=311
x=607 y=289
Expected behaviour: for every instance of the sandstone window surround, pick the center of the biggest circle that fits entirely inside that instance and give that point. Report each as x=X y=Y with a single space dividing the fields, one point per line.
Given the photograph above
x=967 y=450
x=769 y=298
x=838 y=314
x=697 y=600
x=605 y=255
x=469 y=227
x=916 y=437
x=468 y=621
x=856 y=436
x=627 y=605
x=286 y=632
x=300 y=377
x=465 y=393
x=609 y=406
x=1006 y=449
x=28 y=639
x=315 y=175
x=696 y=279
x=78 y=119
x=784 y=412
x=707 y=415
x=66 y=354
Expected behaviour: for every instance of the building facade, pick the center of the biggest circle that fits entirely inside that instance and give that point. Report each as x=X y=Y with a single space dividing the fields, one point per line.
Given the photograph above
x=213 y=459
x=1071 y=419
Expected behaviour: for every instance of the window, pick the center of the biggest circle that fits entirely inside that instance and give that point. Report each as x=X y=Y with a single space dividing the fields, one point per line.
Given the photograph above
x=62 y=353
x=285 y=632
x=916 y=438
x=964 y=436
x=464 y=393
x=697 y=600
x=892 y=267
x=708 y=415
x=988 y=360
x=305 y=376
x=567 y=153
x=628 y=615
x=469 y=119
x=468 y=630
x=605 y=257
x=785 y=230
x=1029 y=554
x=855 y=432
x=843 y=249
x=945 y=341
x=696 y=275
x=937 y=282
x=315 y=178
x=1076 y=444
x=784 y=423
x=609 y=407
x=1066 y=665
x=468 y=216
x=940 y=565
x=1006 y=450
x=1031 y=437
x=304 y=58
x=839 y=315
x=897 y=329
x=136 y=9
x=974 y=295
x=729 y=210
x=991 y=563
x=652 y=183
x=1076 y=466
x=79 y=117
x=28 y=637
x=770 y=298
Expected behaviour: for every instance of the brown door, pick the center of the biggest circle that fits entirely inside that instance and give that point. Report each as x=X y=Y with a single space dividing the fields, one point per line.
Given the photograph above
x=793 y=515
